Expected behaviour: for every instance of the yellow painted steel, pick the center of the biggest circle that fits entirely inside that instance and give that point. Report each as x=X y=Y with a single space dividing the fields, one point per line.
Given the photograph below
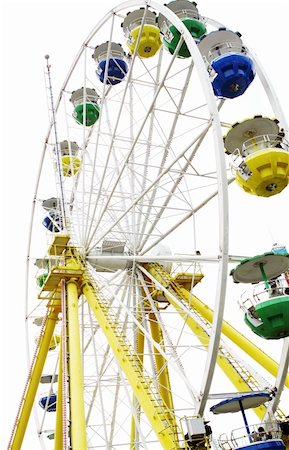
x=77 y=413
x=149 y=42
x=230 y=332
x=203 y=337
x=159 y=411
x=161 y=363
x=240 y=340
x=140 y=352
x=58 y=245
x=34 y=377
x=222 y=361
x=186 y=280
x=58 y=441
x=268 y=167
x=54 y=342
x=160 y=418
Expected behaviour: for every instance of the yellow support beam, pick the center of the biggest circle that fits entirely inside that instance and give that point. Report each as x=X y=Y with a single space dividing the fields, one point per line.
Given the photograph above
x=161 y=363
x=230 y=332
x=58 y=440
x=239 y=339
x=140 y=353
x=58 y=245
x=222 y=362
x=241 y=384
x=77 y=413
x=34 y=376
x=160 y=418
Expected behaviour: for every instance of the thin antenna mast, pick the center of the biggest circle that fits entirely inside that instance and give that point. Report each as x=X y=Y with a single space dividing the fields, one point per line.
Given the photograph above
x=57 y=146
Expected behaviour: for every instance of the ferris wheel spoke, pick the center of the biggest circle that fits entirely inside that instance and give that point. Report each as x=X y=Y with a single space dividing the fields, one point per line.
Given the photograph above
x=163 y=173
x=140 y=189
x=161 y=210
x=104 y=96
x=280 y=380
x=176 y=357
x=183 y=220
x=148 y=148
x=98 y=372
x=112 y=141
x=144 y=330
x=132 y=146
x=121 y=187
x=166 y=149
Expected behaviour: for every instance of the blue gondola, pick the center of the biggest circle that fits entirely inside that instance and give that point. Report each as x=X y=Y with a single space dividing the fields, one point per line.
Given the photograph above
x=113 y=55
x=117 y=69
x=48 y=402
x=235 y=72
x=53 y=222
x=230 y=68
x=264 y=436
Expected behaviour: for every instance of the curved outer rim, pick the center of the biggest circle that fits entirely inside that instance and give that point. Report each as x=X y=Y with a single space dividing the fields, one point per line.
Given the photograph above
x=271 y=93
x=220 y=160
x=280 y=380
x=284 y=360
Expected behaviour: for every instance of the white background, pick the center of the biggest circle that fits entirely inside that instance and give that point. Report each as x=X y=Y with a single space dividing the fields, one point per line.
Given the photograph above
x=29 y=30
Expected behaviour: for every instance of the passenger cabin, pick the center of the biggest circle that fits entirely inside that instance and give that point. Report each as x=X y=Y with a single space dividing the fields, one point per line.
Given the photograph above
x=48 y=402
x=266 y=306
x=70 y=162
x=55 y=340
x=111 y=64
x=48 y=378
x=260 y=156
x=231 y=69
x=197 y=433
x=142 y=33
x=261 y=436
x=41 y=279
x=86 y=109
x=188 y=13
x=53 y=222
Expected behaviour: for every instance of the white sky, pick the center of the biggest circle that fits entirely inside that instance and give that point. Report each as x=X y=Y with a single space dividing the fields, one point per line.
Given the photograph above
x=29 y=30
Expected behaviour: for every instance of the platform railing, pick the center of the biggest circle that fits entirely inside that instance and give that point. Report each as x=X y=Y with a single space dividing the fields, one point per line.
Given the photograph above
x=224 y=48
x=239 y=437
x=260 y=143
x=263 y=142
x=261 y=292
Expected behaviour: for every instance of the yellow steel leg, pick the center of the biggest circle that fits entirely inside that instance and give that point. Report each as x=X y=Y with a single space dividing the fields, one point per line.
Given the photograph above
x=140 y=353
x=161 y=363
x=77 y=414
x=161 y=418
x=240 y=340
x=223 y=363
x=34 y=378
x=58 y=442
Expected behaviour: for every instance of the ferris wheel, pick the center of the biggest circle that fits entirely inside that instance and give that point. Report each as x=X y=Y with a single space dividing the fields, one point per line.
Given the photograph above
x=130 y=222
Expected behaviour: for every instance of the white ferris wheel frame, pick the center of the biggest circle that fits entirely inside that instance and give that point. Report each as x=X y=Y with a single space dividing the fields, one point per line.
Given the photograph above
x=223 y=257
